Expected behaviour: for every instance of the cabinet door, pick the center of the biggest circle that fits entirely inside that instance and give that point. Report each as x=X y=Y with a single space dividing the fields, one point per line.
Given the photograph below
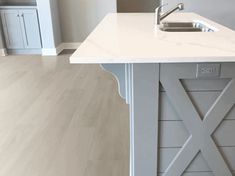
x=12 y=29
x=30 y=28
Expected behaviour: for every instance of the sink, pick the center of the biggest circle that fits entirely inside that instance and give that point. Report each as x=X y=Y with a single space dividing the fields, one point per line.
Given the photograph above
x=185 y=27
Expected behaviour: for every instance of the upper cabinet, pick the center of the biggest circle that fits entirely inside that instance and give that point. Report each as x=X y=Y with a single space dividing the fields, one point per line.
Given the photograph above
x=21 y=28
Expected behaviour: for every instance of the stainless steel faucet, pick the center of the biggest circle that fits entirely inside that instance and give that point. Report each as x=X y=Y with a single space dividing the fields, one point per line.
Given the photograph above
x=160 y=16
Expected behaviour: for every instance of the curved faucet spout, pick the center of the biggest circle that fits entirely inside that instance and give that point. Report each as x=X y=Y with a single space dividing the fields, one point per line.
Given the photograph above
x=160 y=17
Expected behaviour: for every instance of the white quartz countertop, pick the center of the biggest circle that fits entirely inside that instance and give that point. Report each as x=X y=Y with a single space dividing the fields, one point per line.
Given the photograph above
x=132 y=38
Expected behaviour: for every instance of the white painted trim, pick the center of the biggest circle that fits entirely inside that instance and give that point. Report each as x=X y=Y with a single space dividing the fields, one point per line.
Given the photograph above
x=24 y=51
x=3 y=52
x=59 y=49
x=56 y=51
x=49 y=52
x=71 y=45
x=52 y=51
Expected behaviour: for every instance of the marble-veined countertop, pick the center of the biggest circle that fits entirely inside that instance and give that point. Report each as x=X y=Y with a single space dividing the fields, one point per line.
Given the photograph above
x=132 y=38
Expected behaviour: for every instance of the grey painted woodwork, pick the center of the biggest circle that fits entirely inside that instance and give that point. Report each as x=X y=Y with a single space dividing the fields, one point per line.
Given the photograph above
x=143 y=119
x=139 y=84
x=21 y=28
x=122 y=74
x=199 y=129
x=195 y=174
x=180 y=124
x=224 y=136
x=12 y=29
x=118 y=71
x=203 y=84
x=198 y=164
x=128 y=81
x=17 y=1
x=31 y=32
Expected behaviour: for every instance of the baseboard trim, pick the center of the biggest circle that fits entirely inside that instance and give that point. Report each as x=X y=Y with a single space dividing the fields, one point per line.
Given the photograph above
x=24 y=51
x=3 y=52
x=71 y=45
x=49 y=52
x=56 y=51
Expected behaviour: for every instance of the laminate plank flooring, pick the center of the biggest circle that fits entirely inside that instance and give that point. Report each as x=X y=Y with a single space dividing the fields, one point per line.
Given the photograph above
x=58 y=119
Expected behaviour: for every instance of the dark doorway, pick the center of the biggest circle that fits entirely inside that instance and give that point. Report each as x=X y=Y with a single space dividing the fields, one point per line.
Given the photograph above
x=137 y=5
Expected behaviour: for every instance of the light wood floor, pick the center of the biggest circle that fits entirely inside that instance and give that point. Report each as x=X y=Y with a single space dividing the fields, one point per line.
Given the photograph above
x=58 y=119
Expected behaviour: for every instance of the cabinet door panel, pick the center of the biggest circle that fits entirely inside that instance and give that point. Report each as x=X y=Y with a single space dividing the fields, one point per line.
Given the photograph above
x=12 y=29
x=30 y=26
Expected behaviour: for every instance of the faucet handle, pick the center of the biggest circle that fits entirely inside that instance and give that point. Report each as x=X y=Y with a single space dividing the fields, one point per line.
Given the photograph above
x=159 y=8
x=157 y=13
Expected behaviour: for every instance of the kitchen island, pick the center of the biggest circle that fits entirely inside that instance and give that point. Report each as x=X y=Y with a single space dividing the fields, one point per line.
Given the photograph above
x=180 y=88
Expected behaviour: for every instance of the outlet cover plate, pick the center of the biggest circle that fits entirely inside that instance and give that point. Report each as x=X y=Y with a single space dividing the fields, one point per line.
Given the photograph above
x=208 y=70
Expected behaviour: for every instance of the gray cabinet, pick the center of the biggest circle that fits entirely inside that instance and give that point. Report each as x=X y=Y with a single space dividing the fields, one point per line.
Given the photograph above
x=12 y=29
x=21 y=28
x=182 y=117
x=196 y=120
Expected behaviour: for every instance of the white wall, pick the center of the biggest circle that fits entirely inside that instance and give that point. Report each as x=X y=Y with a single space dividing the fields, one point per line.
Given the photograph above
x=222 y=12
x=79 y=17
x=56 y=22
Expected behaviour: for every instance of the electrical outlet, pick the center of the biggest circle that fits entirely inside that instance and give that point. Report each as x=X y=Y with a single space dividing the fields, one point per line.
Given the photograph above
x=208 y=70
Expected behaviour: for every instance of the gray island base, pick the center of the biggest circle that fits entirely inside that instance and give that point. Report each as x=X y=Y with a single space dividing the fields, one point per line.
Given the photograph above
x=180 y=88
x=182 y=117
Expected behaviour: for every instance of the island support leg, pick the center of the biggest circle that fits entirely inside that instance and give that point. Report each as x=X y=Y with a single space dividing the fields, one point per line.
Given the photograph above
x=143 y=82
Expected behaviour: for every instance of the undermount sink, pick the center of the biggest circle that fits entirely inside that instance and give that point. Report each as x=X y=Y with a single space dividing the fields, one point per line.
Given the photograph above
x=184 y=27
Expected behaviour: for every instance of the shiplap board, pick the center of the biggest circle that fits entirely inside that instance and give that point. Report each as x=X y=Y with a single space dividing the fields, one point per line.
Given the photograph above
x=194 y=98
x=166 y=155
x=202 y=100
x=174 y=134
x=202 y=84
x=194 y=174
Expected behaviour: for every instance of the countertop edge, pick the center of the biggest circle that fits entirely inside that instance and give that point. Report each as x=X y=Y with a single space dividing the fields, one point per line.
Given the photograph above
x=16 y=6
x=74 y=60
x=97 y=49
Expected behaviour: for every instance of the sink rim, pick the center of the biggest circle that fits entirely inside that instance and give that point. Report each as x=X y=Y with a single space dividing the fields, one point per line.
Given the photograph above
x=181 y=29
x=186 y=26
x=177 y=24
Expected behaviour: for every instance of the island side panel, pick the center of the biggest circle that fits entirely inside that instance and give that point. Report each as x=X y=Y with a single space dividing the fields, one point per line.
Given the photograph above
x=144 y=95
x=197 y=104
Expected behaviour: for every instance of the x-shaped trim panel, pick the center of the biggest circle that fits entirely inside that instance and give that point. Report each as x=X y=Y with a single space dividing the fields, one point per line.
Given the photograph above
x=200 y=139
